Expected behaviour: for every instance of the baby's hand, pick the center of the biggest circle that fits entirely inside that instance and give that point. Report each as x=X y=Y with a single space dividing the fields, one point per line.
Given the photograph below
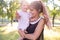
x=25 y=31
x=17 y=16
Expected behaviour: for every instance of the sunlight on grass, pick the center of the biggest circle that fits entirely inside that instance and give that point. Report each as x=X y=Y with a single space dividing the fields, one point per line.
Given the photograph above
x=52 y=34
x=9 y=32
x=7 y=29
x=10 y=36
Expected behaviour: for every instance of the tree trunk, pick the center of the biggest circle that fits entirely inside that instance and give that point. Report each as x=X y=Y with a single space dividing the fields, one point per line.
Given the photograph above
x=53 y=19
x=2 y=18
x=11 y=20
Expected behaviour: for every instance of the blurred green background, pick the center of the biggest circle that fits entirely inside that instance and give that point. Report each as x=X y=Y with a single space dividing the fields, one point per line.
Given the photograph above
x=8 y=23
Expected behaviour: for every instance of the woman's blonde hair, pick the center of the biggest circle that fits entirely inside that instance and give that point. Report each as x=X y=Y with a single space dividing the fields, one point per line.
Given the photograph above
x=40 y=7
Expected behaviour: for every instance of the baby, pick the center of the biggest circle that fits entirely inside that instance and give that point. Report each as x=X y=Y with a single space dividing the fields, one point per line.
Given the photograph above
x=23 y=17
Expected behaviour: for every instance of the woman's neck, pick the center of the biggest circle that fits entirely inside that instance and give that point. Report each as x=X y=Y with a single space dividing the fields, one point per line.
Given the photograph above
x=34 y=18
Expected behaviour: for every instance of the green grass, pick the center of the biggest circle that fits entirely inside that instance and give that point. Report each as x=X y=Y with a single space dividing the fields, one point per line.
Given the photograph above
x=10 y=36
x=13 y=35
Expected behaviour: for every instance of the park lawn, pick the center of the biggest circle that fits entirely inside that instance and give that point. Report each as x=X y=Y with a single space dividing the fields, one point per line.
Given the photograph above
x=53 y=34
x=8 y=36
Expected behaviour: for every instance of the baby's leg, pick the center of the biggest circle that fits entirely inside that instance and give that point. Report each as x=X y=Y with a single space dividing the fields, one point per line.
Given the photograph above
x=20 y=38
x=19 y=31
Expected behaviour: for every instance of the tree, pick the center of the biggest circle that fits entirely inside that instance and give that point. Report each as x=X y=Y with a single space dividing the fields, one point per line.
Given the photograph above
x=13 y=6
x=2 y=5
x=54 y=12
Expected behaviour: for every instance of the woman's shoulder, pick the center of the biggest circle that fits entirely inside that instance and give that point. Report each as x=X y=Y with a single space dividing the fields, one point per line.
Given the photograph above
x=41 y=18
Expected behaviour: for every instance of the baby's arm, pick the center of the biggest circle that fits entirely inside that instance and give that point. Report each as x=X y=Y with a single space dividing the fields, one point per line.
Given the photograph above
x=17 y=15
x=20 y=38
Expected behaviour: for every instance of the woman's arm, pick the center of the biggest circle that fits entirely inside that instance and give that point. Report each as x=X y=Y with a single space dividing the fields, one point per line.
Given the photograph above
x=46 y=16
x=37 y=32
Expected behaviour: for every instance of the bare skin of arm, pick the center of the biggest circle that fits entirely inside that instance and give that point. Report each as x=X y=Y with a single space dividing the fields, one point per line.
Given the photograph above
x=47 y=22
x=37 y=32
x=20 y=33
x=17 y=16
x=46 y=16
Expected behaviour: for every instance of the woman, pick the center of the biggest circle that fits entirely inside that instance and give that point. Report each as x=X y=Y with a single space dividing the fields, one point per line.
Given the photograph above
x=37 y=22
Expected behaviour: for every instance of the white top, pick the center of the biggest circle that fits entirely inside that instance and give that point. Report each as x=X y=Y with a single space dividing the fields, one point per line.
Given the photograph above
x=37 y=20
x=23 y=22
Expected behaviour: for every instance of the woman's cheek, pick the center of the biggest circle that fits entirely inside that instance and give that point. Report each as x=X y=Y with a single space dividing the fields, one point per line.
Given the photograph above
x=34 y=14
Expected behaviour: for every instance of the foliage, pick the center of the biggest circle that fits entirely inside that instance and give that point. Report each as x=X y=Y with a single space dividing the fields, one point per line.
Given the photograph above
x=2 y=13
x=13 y=6
x=10 y=9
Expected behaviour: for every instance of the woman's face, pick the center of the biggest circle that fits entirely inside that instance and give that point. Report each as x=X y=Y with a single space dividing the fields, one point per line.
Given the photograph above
x=33 y=12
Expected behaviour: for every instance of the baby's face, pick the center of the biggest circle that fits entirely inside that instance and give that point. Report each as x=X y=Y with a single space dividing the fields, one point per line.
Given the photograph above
x=25 y=6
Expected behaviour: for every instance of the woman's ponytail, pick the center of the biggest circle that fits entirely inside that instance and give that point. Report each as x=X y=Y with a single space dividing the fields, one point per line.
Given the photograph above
x=46 y=16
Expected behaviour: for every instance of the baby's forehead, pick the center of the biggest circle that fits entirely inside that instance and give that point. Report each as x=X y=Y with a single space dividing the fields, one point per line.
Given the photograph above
x=24 y=3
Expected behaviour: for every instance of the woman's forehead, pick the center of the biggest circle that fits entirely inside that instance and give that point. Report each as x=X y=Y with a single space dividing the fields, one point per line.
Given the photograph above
x=31 y=7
